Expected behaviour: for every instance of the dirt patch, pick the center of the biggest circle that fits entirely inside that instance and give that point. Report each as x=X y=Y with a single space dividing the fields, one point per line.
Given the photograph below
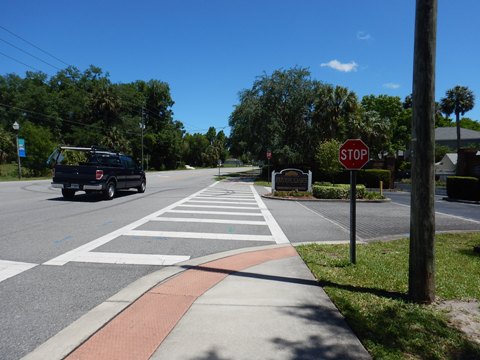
x=463 y=315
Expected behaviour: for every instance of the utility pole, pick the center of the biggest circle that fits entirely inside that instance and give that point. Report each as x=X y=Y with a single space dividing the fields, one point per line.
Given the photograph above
x=142 y=126
x=16 y=127
x=421 y=276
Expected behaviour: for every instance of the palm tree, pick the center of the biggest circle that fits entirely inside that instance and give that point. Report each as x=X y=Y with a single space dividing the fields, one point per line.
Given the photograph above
x=458 y=100
x=333 y=105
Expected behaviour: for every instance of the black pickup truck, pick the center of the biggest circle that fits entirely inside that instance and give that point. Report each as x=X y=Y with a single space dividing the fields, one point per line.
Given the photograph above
x=93 y=170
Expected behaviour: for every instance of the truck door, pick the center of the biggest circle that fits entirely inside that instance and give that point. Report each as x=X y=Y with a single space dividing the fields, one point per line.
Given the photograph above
x=130 y=173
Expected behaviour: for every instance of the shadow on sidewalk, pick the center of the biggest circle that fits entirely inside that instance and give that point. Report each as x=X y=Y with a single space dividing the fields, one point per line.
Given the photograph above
x=360 y=289
x=253 y=275
x=333 y=342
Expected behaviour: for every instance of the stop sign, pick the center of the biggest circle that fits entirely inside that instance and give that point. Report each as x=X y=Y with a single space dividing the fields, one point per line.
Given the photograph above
x=353 y=154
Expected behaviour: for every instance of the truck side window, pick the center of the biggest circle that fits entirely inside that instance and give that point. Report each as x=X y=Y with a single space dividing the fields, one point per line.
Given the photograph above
x=128 y=162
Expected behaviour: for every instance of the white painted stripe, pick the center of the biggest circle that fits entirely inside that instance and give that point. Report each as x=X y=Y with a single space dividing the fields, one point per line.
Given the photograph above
x=130 y=259
x=444 y=214
x=236 y=198
x=226 y=193
x=193 y=235
x=12 y=268
x=221 y=207
x=73 y=254
x=249 y=199
x=278 y=235
x=214 y=212
x=222 y=202
x=212 y=221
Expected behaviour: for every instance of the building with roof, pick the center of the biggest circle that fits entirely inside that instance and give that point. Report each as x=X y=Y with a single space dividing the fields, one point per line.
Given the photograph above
x=447 y=166
x=447 y=136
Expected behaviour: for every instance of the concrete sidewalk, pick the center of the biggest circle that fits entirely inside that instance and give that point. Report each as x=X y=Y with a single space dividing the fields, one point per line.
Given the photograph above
x=251 y=304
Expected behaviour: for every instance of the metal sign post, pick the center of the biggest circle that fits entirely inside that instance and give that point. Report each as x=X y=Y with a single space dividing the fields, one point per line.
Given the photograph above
x=269 y=156
x=353 y=155
x=353 y=216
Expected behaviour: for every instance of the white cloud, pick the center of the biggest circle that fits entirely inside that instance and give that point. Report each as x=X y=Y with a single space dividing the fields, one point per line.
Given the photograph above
x=337 y=65
x=391 y=86
x=362 y=35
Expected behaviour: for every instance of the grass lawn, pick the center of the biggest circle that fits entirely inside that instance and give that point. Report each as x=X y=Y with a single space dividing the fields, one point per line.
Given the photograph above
x=9 y=172
x=372 y=295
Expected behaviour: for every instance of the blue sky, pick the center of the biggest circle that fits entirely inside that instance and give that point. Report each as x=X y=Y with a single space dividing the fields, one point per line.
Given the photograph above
x=209 y=50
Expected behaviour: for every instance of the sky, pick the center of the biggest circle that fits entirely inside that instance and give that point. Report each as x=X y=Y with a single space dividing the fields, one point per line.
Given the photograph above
x=210 y=50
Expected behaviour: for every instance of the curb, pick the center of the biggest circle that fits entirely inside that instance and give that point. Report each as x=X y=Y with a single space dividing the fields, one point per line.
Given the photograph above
x=267 y=196
x=68 y=339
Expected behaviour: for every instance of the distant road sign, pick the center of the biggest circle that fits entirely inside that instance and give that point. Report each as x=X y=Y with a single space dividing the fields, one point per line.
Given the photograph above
x=354 y=154
x=21 y=148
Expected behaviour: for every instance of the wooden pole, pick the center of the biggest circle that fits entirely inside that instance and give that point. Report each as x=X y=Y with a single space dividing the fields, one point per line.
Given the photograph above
x=421 y=277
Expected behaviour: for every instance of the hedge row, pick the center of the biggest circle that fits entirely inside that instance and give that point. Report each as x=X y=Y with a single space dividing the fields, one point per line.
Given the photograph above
x=370 y=178
x=337 y=191
x=463 y=188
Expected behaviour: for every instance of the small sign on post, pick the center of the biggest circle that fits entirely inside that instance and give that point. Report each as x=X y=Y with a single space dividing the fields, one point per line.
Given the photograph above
x=354 y=154
x=21 y=148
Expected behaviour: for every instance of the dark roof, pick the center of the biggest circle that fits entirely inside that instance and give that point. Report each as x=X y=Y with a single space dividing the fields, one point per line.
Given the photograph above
x=450 y=133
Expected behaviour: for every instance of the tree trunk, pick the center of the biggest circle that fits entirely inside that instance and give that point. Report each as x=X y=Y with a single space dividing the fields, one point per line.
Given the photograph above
x=457 y=121
x=421 y=275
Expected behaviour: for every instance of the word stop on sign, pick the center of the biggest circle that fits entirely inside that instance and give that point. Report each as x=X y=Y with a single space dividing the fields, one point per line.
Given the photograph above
x=353 y=154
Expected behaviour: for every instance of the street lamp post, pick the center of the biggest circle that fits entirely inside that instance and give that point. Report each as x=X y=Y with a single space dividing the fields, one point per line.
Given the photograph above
x=16 y=127
x=142 y=126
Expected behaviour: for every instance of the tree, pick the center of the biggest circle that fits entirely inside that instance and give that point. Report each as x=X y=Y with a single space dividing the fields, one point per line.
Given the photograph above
x=397 y=121
x=6 y=145
x=193 y=148
x=458 y=101
x=38 y=145
x=276 y=114
x=471 y=124
x=333 y=106
x=326 y=156
x=373 y=130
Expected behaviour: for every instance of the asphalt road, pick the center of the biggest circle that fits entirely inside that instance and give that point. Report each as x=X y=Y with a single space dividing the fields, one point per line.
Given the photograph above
x=59 y=259
x=38 y=225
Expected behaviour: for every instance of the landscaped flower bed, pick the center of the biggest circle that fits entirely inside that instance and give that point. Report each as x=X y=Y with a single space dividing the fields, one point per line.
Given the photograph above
x=342 y=191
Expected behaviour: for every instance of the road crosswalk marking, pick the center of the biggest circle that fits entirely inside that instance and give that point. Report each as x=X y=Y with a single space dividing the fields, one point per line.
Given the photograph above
x=237 y=201
x=212 y=221
x=198 y=235
x=221 y=207
x=9 y=269
x=204 y=212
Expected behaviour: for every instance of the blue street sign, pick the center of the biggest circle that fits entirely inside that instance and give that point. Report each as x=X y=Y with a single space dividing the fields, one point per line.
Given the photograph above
x=21 y=148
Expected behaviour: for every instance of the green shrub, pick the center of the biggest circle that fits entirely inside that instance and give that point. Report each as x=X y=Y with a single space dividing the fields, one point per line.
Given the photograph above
x=330 y=192
x=463 y=188
x=371 y=178
x=293 y=193
x=337 y=191
x=322 y=183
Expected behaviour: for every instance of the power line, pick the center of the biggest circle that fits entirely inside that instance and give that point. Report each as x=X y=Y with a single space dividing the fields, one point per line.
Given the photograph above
x=35 y=46
x=26 y=52
x=75 y=123
x=48 y=116
x=20 y=62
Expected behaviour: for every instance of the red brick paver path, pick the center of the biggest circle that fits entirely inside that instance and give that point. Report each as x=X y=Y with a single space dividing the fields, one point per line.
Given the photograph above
x=137 y=332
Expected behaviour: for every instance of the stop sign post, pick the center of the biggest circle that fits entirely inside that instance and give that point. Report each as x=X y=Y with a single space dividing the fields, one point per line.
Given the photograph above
x=354 y=154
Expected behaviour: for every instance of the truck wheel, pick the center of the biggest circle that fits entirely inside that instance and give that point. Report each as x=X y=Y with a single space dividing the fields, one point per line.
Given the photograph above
x=109 y=192
x=142 y=187
x=68 y=194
